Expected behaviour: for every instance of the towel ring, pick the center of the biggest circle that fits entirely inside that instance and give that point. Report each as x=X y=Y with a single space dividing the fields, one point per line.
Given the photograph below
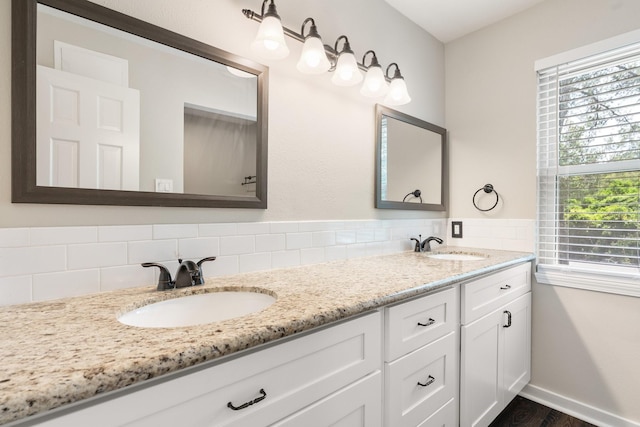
x=488 y=188
x=416 y=194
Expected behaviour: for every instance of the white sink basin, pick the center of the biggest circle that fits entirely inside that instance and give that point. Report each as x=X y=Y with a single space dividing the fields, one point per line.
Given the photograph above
x=197 y=309
x=456 y=257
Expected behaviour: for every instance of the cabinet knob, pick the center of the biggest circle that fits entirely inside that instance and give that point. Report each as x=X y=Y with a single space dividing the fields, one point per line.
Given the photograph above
x=247 y=404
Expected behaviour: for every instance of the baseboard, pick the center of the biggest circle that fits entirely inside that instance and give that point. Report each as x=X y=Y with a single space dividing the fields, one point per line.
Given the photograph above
x=574 y=408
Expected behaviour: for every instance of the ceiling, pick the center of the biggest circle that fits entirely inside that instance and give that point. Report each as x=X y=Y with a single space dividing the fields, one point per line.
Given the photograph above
x=447 y=20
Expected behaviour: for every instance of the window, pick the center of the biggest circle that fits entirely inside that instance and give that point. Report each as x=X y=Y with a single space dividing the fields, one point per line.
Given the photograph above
x=589 y=172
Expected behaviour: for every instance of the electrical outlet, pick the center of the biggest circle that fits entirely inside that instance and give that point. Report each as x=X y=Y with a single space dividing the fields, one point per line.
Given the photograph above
x=164 y=185
x=456 y=229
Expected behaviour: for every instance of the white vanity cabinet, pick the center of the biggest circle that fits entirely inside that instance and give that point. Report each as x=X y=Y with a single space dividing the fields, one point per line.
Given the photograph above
x=421 y=361
x=325 y=377
x=495 y=343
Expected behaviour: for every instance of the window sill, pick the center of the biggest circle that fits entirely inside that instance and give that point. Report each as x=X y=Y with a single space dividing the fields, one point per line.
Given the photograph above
x=598 y=281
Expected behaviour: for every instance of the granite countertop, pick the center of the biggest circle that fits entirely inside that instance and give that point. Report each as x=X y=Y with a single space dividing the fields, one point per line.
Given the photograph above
x=63 y=351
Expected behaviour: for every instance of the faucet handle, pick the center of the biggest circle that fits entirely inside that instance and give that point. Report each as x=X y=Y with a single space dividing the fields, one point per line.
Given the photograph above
x=164 y=280
x=210 y=258
x=418 y=247
x=199 y=277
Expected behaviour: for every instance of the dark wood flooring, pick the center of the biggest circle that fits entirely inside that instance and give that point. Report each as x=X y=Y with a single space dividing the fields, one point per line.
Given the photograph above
x=522 y=412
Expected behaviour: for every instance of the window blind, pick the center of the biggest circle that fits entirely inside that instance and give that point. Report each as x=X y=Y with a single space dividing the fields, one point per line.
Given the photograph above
x=589 y=163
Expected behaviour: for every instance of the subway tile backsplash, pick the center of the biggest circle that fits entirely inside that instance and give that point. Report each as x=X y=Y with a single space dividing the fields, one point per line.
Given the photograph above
x=44 y=263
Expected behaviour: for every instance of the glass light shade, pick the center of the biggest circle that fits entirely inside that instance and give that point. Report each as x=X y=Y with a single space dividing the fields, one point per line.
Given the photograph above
x=240 y=73
x=398 y=94
x=313 y=59
x=269 y=42
x=374 y=84
x=346 y=72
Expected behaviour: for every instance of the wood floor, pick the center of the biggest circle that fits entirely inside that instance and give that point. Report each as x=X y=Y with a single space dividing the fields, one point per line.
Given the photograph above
x=522 y=412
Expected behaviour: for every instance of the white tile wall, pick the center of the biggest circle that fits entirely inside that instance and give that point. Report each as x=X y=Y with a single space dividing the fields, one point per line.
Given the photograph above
x=505 y=234
x=46 y=263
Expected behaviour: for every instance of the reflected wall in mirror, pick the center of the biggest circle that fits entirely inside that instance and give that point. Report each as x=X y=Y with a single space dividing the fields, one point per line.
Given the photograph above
x=108 y=109
x=411 y=169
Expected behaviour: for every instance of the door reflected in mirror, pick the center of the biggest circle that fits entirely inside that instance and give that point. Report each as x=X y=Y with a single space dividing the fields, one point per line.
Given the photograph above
x=411 y=162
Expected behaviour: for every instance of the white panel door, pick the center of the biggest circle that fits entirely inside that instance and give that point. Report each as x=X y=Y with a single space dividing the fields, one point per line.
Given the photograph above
x=88 y=132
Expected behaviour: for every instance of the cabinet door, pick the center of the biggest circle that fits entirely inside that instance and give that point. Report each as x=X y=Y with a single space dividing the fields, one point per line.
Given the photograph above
x=357 y=405
x=517 y=347
x=480 y=371
x=495 y=361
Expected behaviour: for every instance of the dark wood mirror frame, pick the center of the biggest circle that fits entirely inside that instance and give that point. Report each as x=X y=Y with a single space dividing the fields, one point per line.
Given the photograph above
x=382 y=111
x=23 y=121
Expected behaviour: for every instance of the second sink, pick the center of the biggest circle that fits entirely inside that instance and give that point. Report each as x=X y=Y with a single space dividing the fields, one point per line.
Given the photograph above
x=456 y=256
x=197 y=309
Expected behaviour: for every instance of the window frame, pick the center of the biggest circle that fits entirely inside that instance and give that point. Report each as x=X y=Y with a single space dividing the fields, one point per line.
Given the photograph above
x=575 y=276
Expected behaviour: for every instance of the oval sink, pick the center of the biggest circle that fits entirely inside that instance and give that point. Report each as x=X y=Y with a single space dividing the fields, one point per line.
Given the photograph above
x=197 y=309
x=457 y=257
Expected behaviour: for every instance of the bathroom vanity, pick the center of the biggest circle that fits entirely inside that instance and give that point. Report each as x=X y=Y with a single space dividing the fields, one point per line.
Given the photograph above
x=440 y=342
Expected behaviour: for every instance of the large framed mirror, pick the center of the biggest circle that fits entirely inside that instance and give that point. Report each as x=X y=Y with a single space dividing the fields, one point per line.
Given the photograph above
x=111 y=110
x=411 y=162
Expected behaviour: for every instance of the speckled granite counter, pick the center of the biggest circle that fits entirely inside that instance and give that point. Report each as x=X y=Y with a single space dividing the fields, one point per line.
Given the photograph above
x=63 y=351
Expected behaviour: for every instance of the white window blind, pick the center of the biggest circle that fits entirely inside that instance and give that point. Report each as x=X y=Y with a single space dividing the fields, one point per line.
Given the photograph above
x=589 y=166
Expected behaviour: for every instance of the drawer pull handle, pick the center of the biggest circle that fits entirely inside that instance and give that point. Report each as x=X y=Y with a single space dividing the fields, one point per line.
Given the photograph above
x=246 y=405
x=505 y=287
x=508 y=313
x=430 y=381
x=429 y=322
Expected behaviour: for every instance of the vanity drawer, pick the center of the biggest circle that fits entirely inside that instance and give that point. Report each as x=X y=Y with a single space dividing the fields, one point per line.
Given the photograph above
x=410 y=325
x=279 y=380
x=482 y=296
x=355 y=405
x=420 y=383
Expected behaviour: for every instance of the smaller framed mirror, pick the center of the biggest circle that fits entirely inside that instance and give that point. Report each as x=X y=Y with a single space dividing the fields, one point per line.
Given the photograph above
x=411 y=168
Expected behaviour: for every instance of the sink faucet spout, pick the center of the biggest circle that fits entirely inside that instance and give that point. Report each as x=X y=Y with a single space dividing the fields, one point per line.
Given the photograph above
x=426 y=247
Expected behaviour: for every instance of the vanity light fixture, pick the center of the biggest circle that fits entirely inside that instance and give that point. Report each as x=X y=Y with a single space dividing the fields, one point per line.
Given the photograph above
x=398 y=94
x=313 y=59
x=269 y=44
x=375 y=84
x=346 y=72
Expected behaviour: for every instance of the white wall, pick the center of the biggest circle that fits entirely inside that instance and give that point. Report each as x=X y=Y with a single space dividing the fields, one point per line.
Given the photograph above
x=321 y=137
x=586 y=345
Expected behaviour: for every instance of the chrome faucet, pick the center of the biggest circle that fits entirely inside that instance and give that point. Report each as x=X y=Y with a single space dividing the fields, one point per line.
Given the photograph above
x=189 y=274
x=424 y=246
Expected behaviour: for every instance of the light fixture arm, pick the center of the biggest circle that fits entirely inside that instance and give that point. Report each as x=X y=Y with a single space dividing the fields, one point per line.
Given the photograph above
x=396 y=75
x=313 y=30
x=374 y=59
x=332 y=52
x=271 y=11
